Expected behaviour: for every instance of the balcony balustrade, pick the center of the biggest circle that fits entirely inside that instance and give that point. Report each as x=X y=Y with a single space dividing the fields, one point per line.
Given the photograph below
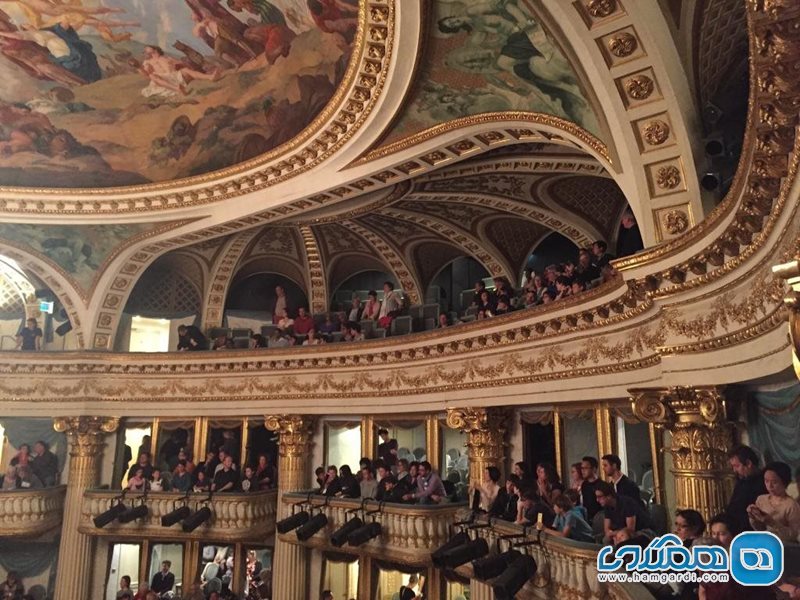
x=234 y=517
x=31 y=512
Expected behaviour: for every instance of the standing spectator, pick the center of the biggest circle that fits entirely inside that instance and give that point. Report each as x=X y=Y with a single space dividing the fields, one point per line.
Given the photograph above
x=480 y=287
x=548 y=483
x=191 y=338
x=390 y=306
x=589 y=485
x=776 y=511
x=319 y=476
x=44 y=463
x=226 y=479
x=586 y=271
x=509 y=512
x=181 y=480
x=412 y=591
x=144 y=465
x=749 y=486
x=600 y=256
x=163 y=581
x=403 y=475
x=280 y=308
x=208 y=465
x=372 y=308
x=29 y=337
x=575 y=477
x=12 y=588
x=186 y=457
x=304 y=322
x=22 y=457
x=489 y=488
x=143 y=591
x=266 y=475
x=525 y=474
x=368 y=486
x=629 y=240
x=570 y=521
x=622 y=485
x=387 y=449
x=355 y=310
x=620 y=511
x=125 y=588
x=430 y=489
x=249 y=482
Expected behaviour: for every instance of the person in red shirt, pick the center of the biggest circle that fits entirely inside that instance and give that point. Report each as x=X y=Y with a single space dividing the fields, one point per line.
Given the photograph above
x=304 y=322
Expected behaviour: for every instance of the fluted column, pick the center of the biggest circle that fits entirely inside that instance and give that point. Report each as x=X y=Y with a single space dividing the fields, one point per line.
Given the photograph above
x=486 y=437
x=86 y=439
x=701 y=439
x=290 y=568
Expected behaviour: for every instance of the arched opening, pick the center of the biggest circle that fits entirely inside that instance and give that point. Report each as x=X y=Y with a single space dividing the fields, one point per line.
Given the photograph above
x=452 y=287
x=359 y=284
x=554 y=249
x=256 y=293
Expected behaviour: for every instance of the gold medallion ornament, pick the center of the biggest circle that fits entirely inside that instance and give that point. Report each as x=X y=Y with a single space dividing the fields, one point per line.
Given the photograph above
x=656 y=132
x=676 y=221
x=668 y=178
x=623 y=45
x=639 y=87
x=601 y=8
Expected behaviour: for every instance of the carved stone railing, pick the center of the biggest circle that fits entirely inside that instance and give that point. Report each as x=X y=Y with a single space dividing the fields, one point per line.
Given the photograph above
x=409 y=532
x=566 y=569
x=28 y=513
x=235 y=517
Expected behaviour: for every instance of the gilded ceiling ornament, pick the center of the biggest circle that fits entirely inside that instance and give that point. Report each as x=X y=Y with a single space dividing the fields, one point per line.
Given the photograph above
x=639 y=87
x=668 y=178
x=601 y=8
x=676 y=221
x=656 y=132
x=623 y=44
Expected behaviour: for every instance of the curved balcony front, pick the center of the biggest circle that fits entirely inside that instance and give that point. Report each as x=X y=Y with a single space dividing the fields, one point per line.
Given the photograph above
x=30 y=513
x=234 y=517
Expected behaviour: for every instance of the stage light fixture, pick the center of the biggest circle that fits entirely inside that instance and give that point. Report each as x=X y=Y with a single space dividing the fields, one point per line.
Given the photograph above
x=311 y=527
x=176 y=516
x=458 y=539
x=110 y=515
x=492 y=566
x=194 y=521
x=364 y=534
x=292 y=522
x=472 y=550
x=517 y=574
x=339 y=537
x=137 y=512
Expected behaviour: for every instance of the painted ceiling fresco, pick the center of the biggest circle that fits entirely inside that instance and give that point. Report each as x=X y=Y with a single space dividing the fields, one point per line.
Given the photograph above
x=100 y=93
x=491 y=55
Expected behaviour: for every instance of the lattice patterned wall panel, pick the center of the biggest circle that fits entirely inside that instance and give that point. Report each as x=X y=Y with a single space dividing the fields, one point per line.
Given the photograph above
x=161 y=293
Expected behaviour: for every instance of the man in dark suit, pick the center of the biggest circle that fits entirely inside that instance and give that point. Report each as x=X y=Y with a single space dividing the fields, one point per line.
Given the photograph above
x=163 y=581
x=387 y=449
x=749 y=486
x=623 y=486
x=44 y=464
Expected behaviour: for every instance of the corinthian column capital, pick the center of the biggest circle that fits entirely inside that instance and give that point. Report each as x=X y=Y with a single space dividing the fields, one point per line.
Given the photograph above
x=85 y=434
x=295 y=432
x=477 y=420
x=486 y=436
x=668 y=407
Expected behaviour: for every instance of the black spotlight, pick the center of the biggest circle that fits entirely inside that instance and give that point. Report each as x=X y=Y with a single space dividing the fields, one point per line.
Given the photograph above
x=339 y=537
x=110 y=515
x=312 y=526
x=176 y=516
x=364 y=534
x=710 y=181
x=194 y=521
x=458 y=539
x=514 y=577
x=137 y=512
x=472 y=550
x=715 y=147
x=492 y=566
x=292 y=522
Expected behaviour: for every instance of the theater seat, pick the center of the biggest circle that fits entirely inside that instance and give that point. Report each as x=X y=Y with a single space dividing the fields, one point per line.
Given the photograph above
x=401 y=325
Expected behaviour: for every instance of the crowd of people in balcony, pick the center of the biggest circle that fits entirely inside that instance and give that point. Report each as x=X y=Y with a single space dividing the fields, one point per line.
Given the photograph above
x=31 y=469
x=293 y=326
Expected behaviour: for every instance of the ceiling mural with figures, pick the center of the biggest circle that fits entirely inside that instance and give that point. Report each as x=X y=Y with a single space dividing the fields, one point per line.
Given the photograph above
x=101 y=93
x=485 y=56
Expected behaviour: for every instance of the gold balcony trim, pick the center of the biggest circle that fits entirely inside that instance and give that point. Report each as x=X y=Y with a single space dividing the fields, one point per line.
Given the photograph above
x=30 y=513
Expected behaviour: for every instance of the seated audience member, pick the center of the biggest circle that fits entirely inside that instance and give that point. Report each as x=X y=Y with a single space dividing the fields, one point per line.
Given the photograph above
x=527 y=476
x=353 y=333
x=586 y=271
x=12 y=588
x=348 y=484
x=381 y=473
x=489 y=488
x=354 y=314
x=748 y=487
x=487 y=304
x=249 y=482
x=312 y=339
x=390 y=307
x=222 y=342
x=328 y=327
x=226 y=479
x=186 y=457
x=722 y=532
x=570 y=521
x=563 y=287
x=191 y=338
x=285 y=322
x=158 y=483
x=163 y=581
x=319 y=475
x=266 y=474
x=368 y=485
x=689 y=526
x=45 y=463
x=509 y=510
x=403 y=475
x=600 y=256
x=11 y=480
x=202 y=483
x=277 y=339
x=531 y=509
x=412 y=591
x=430 y=489
x=372 y=307
x=502 y=290
x=622 y=485
x=776 y=511
x=125 y=590
x=181 y=480
x=332 y=485
x=304 y=322
x=502 y=308
x=208 y=465
x=577 y=287
x=479 y=288
x=588 y=486
x=548 y=483
x=144 y=465
x=387 y=449
x=393 y=492
x=258 y=341
x=138 y=483
x=548 y=297
x=442 y=321
x=530 y=299
x=22 y=457
x=575 y=477
x=620 y=511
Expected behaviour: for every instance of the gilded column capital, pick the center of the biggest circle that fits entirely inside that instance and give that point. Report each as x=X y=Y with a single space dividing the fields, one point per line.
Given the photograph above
x=790 y=272
x=486 y=436
x=295 y=432
x=473 y=420
x=668 y=407
x=85 y=434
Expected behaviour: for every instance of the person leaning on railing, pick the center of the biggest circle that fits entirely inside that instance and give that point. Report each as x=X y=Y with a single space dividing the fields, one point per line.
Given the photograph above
x=570 y=520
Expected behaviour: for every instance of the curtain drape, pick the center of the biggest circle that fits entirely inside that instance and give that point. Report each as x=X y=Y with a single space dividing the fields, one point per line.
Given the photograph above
x=27 y=559
x=773 y=423
x=27 y=430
